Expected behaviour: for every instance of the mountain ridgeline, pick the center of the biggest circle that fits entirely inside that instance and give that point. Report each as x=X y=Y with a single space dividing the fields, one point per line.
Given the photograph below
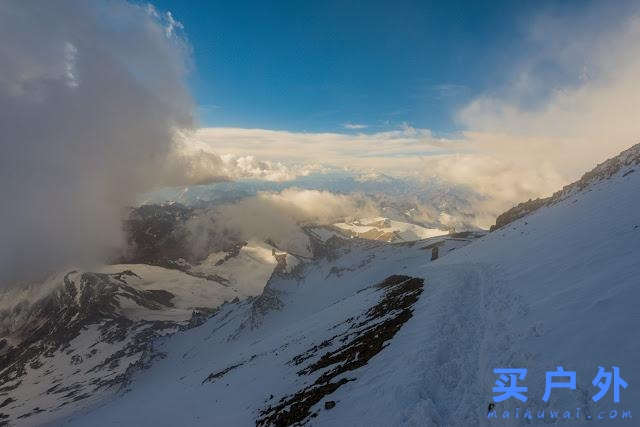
x=604 y=170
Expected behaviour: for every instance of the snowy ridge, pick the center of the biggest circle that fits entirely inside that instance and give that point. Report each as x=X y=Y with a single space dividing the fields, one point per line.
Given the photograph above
x=621 y=164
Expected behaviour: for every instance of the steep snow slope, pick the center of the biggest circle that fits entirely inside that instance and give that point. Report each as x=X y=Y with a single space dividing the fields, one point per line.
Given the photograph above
x=289 y=309
x=558 y=287
x=84 y=333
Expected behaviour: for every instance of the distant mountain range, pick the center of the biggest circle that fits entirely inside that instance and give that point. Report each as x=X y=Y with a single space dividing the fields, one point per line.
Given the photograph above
x=420 y=201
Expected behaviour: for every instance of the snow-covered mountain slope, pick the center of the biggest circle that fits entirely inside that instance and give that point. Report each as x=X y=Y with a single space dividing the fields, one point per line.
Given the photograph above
x=76 y=343
x=372 y=333
x=86 y=332
x=350 y=345
x=387 y=230
x=92 y=333
x=251 y=350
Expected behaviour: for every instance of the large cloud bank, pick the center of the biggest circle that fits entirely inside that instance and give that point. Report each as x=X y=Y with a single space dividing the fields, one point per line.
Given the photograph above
x=275 y=217
x=537 y=131
x=522 y=149
x=90 y=95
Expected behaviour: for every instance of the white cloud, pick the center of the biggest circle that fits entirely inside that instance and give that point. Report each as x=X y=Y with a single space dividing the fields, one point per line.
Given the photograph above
x=195 y=162
x=276 y=217
x=354 y=126
x=90 y=94
x=522 y=142
x=522 y=151
x=392 y=150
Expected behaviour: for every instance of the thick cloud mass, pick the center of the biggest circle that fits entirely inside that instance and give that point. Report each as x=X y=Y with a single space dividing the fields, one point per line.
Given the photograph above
x=519 y=151
x=276 y=217
x=90 y=95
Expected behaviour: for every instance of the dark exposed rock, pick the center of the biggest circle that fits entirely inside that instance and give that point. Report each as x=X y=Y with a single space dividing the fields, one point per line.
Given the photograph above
x=362 y=342
x=519 y=211
x=268 y=301
x=155 y=234
x=159 y=235
x=232 y=251
x=215 y=375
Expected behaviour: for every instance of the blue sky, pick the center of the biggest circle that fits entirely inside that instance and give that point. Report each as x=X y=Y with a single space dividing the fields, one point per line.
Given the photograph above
x=316 y=66
x=513 y=98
